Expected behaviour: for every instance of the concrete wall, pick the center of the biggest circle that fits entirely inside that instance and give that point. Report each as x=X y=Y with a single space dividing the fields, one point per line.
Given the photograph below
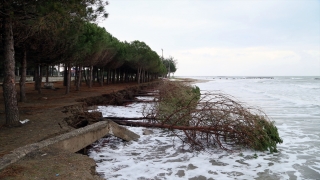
x=80 y=138
x=72 y=141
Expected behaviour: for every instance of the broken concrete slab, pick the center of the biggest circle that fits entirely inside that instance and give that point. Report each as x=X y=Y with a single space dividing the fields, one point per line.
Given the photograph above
x=121 y=132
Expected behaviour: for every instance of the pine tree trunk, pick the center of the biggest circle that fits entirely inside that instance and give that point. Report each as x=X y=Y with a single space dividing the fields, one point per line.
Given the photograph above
x=65 y=75
x=79 y=78
x=51 y=71
x=58 y=74
x=47 y=73
x=125 y=75
x=90 y=77
x=95 y=75
x=35 y=76
x=76 y=75
x=108 y=76
x=120 y=76
x=144 y=76
x=68 y=78
x=39 y=79
x=147 y=76
x=114 y=76
x=23 y=77
x=101 y=76
x=131 y=77
x=135 y=77
x=85 y=76
x=9 y=86
x=139 y=75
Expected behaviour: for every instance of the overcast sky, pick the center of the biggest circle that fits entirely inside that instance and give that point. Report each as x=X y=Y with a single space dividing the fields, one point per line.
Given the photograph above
x=224 y=37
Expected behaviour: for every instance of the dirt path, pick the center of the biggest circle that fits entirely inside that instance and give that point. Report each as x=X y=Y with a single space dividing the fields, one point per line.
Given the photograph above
x=47 y=120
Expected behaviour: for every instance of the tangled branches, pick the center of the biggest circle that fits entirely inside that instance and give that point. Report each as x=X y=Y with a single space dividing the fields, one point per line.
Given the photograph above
x=212 y=119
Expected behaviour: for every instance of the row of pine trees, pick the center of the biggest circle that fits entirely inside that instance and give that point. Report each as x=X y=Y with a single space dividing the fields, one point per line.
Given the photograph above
x=39 y=34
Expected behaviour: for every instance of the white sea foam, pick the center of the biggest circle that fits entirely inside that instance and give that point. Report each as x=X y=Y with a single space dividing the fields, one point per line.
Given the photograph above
x=162 y=156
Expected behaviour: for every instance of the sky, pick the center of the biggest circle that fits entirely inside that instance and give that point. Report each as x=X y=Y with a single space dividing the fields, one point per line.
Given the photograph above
x=224 y=37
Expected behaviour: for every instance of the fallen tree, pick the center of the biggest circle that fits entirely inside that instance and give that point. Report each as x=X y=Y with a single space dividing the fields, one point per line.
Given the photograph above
x=209 y=119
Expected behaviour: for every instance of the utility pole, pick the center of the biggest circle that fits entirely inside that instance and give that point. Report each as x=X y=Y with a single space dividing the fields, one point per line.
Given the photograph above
x=162 y=54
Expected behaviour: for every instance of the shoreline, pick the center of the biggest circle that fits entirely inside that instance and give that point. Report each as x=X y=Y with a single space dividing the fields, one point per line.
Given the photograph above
x=191 y=80
x=46 y=119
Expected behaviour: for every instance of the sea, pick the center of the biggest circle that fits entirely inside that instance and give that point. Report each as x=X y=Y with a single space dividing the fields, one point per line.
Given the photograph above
x=293 y=103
